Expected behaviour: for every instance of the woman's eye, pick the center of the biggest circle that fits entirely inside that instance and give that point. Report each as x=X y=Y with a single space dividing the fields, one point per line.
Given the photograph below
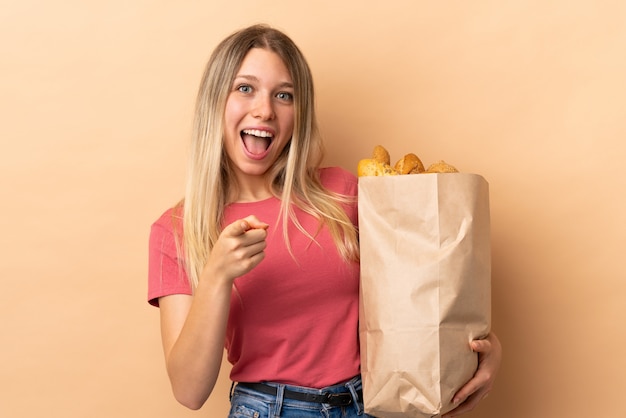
x=244 y=88
x=285 y=96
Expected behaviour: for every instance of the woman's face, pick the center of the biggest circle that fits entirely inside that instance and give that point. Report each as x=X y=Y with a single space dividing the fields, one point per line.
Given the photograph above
x=259 y=115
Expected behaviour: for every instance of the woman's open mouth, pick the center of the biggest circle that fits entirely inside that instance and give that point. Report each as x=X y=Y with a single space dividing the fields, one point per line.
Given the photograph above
x=256 y=142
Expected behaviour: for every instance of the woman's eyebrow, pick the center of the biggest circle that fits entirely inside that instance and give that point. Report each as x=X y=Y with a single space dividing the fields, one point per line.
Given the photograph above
x=247 y=77
x=284 y=84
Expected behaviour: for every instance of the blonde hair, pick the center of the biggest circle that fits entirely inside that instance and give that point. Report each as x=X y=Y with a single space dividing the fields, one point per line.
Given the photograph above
x=294 y=178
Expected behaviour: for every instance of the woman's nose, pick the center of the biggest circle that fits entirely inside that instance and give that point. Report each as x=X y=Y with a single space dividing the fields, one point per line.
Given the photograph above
x=263 y=108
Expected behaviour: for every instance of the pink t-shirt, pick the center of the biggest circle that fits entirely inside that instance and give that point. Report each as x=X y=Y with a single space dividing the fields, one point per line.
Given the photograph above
x=291 y=321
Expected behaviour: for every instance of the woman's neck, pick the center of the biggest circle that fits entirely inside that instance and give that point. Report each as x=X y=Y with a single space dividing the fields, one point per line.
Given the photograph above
x=249 y=189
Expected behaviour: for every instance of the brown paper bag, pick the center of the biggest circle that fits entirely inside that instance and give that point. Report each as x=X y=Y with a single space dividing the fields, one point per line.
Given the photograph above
x=425 y=289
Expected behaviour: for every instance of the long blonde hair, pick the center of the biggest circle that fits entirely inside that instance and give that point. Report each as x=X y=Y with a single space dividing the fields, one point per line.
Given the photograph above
x=294 y=178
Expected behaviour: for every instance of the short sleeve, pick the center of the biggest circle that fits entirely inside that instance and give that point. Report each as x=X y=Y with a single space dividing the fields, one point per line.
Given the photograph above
x=166 y=273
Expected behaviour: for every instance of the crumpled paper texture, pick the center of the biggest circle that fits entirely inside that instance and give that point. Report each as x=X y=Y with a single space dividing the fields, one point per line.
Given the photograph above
x=425 y=289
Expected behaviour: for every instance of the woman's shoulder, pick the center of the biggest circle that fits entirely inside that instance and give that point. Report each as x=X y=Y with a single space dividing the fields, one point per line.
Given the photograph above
x=169 y=221
x=338 y=179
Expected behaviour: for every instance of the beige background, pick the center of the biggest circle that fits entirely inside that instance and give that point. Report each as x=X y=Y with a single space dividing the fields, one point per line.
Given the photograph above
x=96 y=103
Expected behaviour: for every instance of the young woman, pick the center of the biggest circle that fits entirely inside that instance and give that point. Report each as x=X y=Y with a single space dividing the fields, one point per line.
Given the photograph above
x=261 y=257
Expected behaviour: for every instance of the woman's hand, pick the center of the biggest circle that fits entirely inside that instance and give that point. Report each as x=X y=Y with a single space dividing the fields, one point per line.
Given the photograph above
x=239 y=248
x=489 y=357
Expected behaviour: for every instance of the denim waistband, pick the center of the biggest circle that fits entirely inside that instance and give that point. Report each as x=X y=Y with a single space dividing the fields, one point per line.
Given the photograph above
x=352 y=387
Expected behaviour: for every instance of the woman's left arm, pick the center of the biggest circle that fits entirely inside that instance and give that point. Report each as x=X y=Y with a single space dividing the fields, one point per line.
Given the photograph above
x=489 y=357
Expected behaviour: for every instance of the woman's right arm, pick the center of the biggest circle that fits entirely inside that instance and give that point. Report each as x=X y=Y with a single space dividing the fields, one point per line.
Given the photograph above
x=193 y=328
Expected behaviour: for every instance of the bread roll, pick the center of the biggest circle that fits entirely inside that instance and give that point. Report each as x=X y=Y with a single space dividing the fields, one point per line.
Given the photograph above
x=380 y=154
x=409 y=164
x=441 y=167
x=371 y=167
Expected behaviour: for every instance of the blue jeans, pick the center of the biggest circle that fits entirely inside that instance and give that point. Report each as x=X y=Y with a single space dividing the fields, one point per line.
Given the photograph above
x=248 y=403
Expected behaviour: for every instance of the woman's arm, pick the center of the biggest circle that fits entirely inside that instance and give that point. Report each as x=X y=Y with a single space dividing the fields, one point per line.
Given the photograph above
x=489 y=357
x=193 y=328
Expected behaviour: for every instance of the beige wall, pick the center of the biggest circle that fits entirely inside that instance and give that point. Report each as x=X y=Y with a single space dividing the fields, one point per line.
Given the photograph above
x=96 y=101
